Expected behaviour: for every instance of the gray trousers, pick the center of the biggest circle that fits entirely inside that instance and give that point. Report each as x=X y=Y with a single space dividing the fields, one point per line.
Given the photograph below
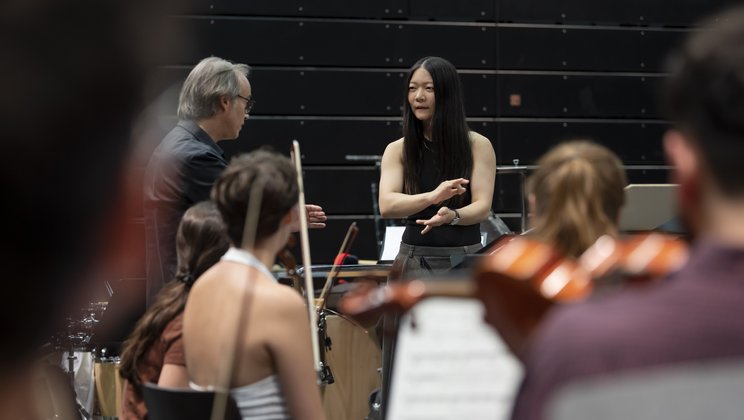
x=414 y=262
x=421 y=262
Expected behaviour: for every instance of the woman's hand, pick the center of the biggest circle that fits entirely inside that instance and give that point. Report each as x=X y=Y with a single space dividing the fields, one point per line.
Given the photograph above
x=443 y=217
x=448 y=189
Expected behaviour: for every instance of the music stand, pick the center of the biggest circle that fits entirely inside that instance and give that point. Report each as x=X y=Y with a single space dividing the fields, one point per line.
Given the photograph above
x=647 y=206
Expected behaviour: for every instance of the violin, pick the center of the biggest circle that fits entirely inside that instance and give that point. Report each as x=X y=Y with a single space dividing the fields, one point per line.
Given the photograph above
x=634 y=260
x=520 y=280
x=287 y=259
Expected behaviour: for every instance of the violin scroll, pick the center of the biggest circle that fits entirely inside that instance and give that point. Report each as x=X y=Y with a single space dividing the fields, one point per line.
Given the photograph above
x=287 y=259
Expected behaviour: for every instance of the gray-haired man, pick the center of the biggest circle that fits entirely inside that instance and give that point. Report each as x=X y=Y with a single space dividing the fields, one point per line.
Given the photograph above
x=214 y=103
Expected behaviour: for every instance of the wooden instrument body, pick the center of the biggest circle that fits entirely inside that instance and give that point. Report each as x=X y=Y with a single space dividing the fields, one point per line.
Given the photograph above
x=523 y=278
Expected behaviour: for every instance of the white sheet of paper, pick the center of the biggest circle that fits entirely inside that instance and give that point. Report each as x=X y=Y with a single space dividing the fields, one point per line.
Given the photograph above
x=451 y=365
x=391 y=244
x=393 y=236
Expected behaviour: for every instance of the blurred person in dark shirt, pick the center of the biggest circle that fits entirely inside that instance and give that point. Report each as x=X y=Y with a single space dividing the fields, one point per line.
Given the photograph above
x=73 y=79
x=695 y=314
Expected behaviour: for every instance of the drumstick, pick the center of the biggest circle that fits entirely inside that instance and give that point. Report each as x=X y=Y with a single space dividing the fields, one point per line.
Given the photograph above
x=305 y=242
x=345 y=246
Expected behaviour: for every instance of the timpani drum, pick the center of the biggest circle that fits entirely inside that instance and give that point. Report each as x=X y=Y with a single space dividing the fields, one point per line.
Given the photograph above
x=354 y=358
x=108 y=387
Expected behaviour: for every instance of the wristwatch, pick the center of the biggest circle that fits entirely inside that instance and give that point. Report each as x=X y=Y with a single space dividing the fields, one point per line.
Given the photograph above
x=456 y=220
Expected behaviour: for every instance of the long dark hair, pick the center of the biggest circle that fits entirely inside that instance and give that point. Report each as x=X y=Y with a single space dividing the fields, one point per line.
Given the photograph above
x=200 y=242
x=449 y=130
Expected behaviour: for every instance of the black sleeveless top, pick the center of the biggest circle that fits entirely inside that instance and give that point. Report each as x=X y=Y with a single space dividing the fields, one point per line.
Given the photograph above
x=444 y=235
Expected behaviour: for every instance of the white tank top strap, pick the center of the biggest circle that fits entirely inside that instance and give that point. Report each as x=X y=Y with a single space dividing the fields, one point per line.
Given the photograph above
x=261 y=400
x=244 y=257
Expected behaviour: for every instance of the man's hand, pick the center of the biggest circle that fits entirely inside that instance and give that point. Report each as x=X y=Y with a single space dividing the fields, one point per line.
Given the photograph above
x=443 y=217
x=316 y=217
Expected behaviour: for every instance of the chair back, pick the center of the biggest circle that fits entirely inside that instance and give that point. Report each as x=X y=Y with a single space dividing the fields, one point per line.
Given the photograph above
x=702 y=390
x=176 y=403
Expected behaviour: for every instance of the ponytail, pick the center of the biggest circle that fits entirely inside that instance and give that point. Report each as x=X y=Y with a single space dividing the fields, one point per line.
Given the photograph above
x=578 y=190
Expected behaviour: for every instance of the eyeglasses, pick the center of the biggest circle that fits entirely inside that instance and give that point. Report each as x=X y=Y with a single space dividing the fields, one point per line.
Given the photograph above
x=248 y=103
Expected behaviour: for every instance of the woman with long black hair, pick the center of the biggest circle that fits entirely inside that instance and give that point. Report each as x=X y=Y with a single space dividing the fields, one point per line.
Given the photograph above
x=439 y=176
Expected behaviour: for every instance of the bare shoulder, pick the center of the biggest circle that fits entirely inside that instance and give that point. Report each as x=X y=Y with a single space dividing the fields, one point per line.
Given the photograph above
x=393 y=153
x=395 y=147
x=282 y=300
x=479 y=140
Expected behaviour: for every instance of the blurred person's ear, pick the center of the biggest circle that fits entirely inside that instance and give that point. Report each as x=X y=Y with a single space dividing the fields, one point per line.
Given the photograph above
x=685 y=159
x=680 y=154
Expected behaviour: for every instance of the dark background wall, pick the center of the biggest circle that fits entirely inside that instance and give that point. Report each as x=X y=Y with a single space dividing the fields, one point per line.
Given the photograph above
x=330 y=73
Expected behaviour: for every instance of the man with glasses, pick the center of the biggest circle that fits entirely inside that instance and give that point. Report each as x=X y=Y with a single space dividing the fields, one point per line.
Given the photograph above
x=214 y=103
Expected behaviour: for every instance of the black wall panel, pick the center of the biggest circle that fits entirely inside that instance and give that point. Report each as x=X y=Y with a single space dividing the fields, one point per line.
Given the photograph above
x=634 y=142
x=585 y=49
x=588 y=96
x=632 y=12
x=334 y=43
x=399 y=44
x=325 y=243
x=327 y=92
x=341 y=190
x=471 y=10
x=322 y=141
x=507 y=194
x=301 y=8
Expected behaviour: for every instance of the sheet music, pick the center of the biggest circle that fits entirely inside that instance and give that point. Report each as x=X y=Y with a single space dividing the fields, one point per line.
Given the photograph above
x=451 y=365
x=391 y=244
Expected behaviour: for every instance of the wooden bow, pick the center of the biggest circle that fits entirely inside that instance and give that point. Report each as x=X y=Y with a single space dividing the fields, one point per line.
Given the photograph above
x=305 y=242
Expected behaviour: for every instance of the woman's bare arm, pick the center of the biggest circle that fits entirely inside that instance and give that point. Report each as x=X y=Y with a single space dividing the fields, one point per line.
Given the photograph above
x=481 y=188
x=173 y=376
x=396 y=204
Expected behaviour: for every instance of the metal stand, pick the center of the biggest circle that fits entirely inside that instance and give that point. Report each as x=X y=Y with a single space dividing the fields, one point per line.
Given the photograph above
x=71 y=374
x=325 y=376
x=522 y=171
x=379 y=222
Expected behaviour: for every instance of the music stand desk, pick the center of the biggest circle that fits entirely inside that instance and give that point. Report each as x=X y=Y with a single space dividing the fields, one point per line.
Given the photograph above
x=647 y=206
